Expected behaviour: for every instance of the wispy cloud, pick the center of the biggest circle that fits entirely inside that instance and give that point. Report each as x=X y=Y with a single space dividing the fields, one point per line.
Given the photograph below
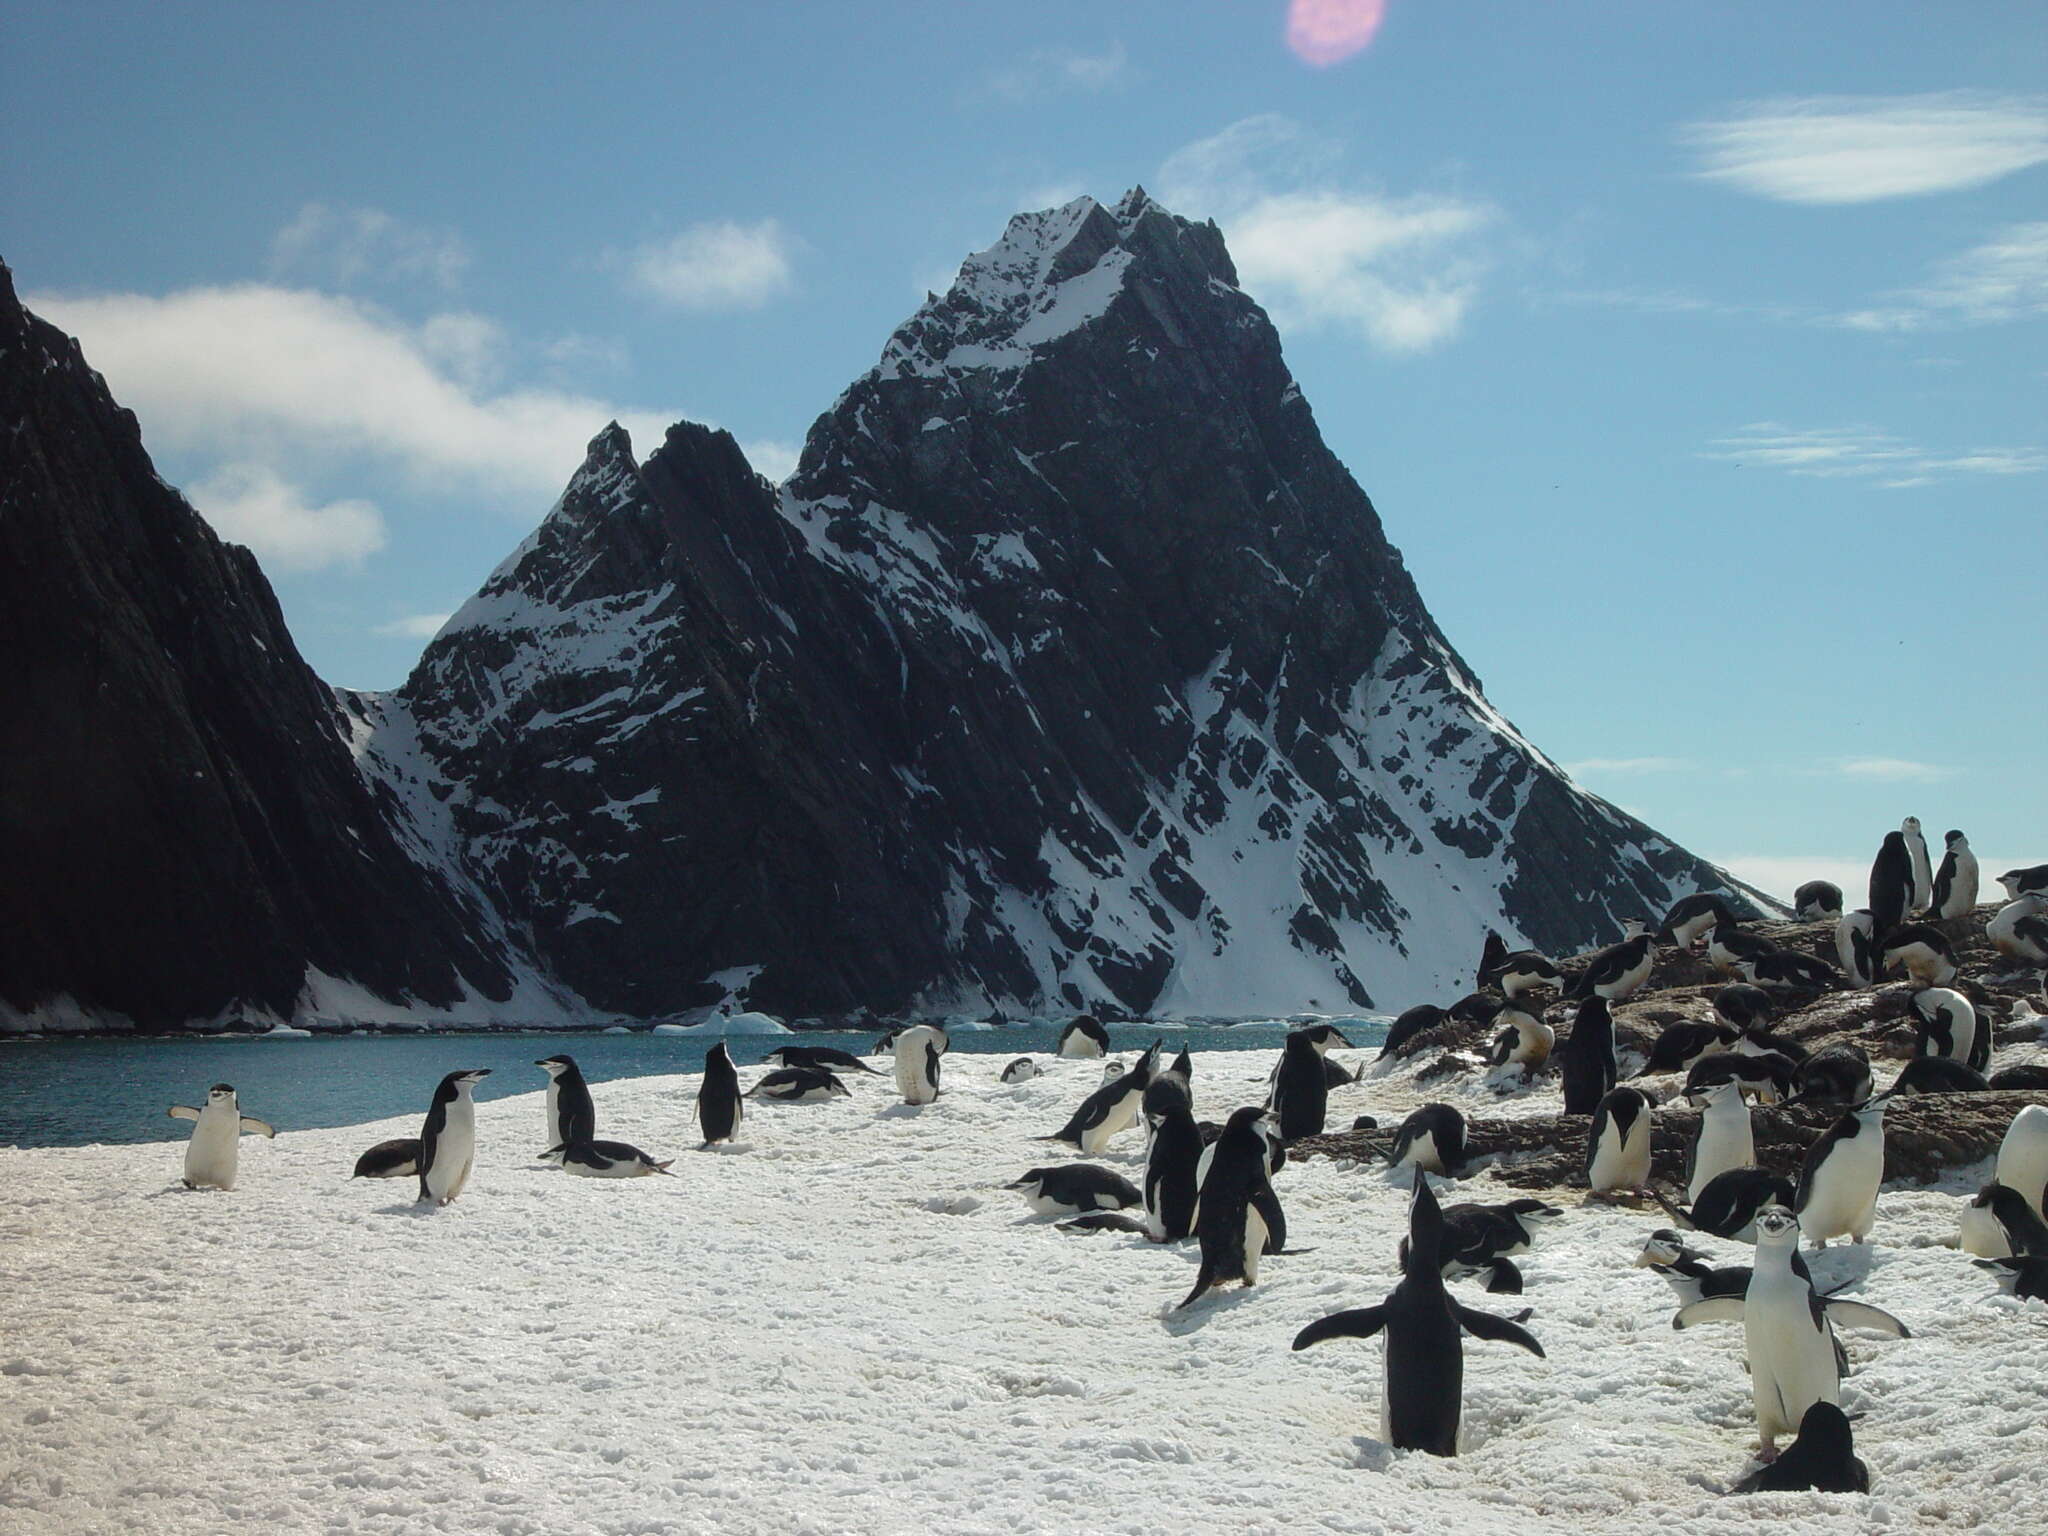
x=1857 y=149
x=343 y=246
x=1402 y=272
x=297 y=380
x=1326 y=32
x=714 y=265
x=1048 y=72
x=1893 y=463
x=1625 y=765
x=252 y=505
x=414 y=626
x=1894 y=770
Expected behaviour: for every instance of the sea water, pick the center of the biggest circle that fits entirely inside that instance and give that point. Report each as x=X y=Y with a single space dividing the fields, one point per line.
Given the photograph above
x=64 y=1093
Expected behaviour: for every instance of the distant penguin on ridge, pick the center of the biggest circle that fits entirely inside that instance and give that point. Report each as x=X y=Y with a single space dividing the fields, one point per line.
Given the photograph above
x=1619 y=969
x=2031 y=880
x=1955 y=883
x=1817 y=901
x=571 y=1116
x=1692 y=916
x=448 y=1137
x=1923 y=871
x=1891 y=884
x=720 y=1104
x=2019 y=930
x=215 y=1150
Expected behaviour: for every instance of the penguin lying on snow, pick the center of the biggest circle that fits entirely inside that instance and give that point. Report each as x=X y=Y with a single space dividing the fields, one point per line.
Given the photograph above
x=1022 y=1070
x=1788 y=1330
x=1728 y=1206
x=1237 y=1211
x=1422 y=1400
x=398 y=1158
x=1111 y=1108
x=1480 y=1239
x=1072 y=1188
x=1822 y=1460
x=799 y=1085
x=214 y=1151
x=607 y=1160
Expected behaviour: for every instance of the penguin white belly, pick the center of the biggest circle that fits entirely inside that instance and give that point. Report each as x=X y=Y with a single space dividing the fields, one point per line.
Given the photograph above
x=1791 y=1362
x=2023 y=1155
x=454 y=1153
x=1634 y=1163
x=554 y=1130
x=1725 y=1142
x=214 y=1150
x=1843 y=1201
x=1254 y=1243
x=1628 y=981
x=1079 y=1045
x=1119 y=1118
x=1422 y=1154
x=1982 y=1233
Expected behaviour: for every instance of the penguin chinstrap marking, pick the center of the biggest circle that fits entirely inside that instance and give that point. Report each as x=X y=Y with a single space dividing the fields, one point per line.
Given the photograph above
x=1586 y=1058
x=1788 y=1330
x=918 y=1050
x=572 y=1117
x=720 y=1104
x=2030 y=880
x=1301 y=1089
x=1839 y=1180
x=215 y=1150
x=448 y=1138
x=1236 y=1210
x=1422 y=1399
x=1110 y=1108
x=1022 y=1070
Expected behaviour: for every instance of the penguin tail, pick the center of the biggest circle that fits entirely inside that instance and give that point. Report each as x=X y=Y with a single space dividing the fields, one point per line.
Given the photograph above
x=1203 y=1281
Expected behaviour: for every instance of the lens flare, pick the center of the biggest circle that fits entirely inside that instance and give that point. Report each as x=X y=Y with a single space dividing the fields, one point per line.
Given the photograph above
x=1326 y=32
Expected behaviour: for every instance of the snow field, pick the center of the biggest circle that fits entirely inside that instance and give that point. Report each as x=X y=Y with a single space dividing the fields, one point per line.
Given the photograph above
x=850 y=1325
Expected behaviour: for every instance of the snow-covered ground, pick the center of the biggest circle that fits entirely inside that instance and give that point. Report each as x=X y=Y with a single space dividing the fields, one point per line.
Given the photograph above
x=851 y=1325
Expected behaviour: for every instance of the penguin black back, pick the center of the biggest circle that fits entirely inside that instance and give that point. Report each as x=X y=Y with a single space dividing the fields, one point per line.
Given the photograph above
x=1237 y=1205
x=1170 y=1170
x=719 y=1103
x=1586 y=1059
x=1822 y=1460
x=1891 y=883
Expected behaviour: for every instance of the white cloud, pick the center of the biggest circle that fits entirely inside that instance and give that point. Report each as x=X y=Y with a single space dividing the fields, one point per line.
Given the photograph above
x=1326 y=32
x=772 y=457
x=1894 y=770
x=258 y=374
x=714 y=265
x=344 y=245
x=1058 y=71
x=414 y=626
x=1895 y=463
x=2005 y=278
x=1402 y=272
x=249 y=504
x=1625 y=765
x=1855 y=149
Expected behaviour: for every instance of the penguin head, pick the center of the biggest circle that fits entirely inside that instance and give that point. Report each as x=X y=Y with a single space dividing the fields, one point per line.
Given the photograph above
x=1533 y=1213
x=1425 y=1232
x=1033 y=1178
x=555 y=1066
x=1873 y=1107
x=1662 y=1249
x=1955 y=840
x=1776 y=1227
x=468 y=1078
x=1323 y=1036
x=221 y=1093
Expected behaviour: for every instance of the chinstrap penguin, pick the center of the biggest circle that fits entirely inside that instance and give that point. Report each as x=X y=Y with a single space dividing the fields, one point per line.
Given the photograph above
x=215 y=1150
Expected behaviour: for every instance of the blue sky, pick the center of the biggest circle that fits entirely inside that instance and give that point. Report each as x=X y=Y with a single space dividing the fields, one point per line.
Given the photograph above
x=1693 y=357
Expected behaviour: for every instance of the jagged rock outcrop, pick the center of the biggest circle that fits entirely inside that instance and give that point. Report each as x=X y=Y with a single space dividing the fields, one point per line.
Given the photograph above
x=1069 y=670
x=183 y=831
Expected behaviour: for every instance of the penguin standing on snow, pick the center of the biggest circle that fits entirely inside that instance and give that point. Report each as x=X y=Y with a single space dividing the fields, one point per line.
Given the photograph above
x=720 y=1104
x=1083 y=1036
x=1891 y=884
x=448 y=1137
x=1923 y=871
x=1619 y=969
x=1838 y=1181
x=1422 y=1399
x=571 y=1116
x=1586 y=1059
x=1788 y=1330
x=918 y=1050
x=1955 y=883
x=1618 y=1145
x=1172 y=1170
x=1817 y=901
x=1856 y=946
x=1237 y=1208
x=215 y=1149
x=1110 y=1109
x=1301 y=1092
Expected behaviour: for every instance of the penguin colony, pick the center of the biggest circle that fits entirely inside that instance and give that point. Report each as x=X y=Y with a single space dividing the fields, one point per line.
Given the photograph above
x=1216 y=1186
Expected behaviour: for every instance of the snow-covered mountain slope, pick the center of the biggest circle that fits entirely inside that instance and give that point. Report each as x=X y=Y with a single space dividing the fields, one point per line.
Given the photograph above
x=1069 y=670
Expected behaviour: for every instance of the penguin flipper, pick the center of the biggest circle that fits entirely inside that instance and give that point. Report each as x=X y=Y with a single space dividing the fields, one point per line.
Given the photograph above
x=1484 y=1325
x=1857 y=1314
x=182 y=1112
x=1503 y=1278
x=253 y=1127
x=1203 y=1281
x=1710 y=1309
x=1267 y=1204
x=1356 y=1323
